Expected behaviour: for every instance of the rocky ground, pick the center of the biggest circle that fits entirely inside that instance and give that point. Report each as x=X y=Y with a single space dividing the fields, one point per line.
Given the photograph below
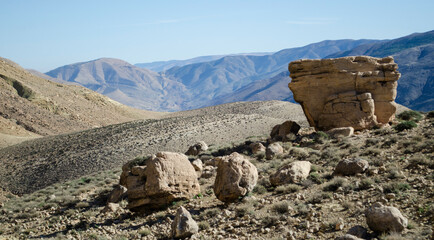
x=324 y=206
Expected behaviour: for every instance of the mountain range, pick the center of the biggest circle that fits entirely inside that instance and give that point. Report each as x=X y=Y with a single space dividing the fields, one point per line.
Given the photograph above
x=210 y=80
x=190 y=86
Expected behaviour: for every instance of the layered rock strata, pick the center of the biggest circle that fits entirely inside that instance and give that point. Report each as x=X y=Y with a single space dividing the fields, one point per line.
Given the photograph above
x=356 y=92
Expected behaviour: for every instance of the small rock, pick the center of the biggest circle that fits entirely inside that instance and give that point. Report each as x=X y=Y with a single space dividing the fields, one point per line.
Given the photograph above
x=198 y=165
x=348 y=237
x=183 y=226
x=273 y=150
x=359 y=232
x=341 y=132
x=390 y=196
x=110 y=207
x=257 y=147
x=385 y=219
x=294 y=172
x=117 y=194
x=353 y=166
x=197 y=148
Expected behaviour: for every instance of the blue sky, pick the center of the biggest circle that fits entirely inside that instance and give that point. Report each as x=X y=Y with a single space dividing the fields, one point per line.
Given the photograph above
x=45 y=34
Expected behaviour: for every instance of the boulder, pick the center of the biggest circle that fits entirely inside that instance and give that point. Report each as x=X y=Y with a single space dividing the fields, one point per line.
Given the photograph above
x=165 y=177
x=352 y=166
x=257 y=147
x=341 y=132
x=236 y=177
x=294 y=172
x=273 y=150
x=117 y=194
x=381 y=219
x=356 y=92
x=285 y=131
x=184 y=225
x=197 y=148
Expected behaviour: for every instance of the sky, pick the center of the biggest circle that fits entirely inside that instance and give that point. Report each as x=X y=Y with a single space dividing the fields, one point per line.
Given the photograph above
x=46 y=34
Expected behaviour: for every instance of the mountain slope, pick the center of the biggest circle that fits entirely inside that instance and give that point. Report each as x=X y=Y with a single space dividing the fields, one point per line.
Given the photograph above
x=126 y=83
x=415 y=57
x=31 y=106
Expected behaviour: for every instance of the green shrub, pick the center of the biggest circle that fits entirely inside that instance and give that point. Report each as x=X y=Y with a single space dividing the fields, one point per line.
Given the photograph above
x=396 y=187
x=410 y=116
x=320 y=137
x=405 y=125
x=203 y=225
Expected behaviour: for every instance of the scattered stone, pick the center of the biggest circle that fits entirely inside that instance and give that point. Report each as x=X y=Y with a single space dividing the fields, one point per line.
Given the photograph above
x=117 y=194
x=285 y=131
x=348 y=237
x=352 y=166
x=382 y=219
x=183 y=226
x=356 y=92
x=341 y=132
x=165 y=178
x=198 y=165
x=197 y=148
x=294 y=172
x=110 y=207
x=359 y=232
x=257 y=147
x=208 y=172
x=273 y=150
x=236 y=176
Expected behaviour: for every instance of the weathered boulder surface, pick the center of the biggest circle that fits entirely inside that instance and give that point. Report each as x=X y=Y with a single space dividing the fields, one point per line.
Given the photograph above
x=349 y=167
x=164 y=178
x=197 y=148
x=117 y=194
x=382 y=219
x=356 y=92
x=236 y=176
x=294 y=172
x=184 y=225
x=285 y=131
x=273 y=150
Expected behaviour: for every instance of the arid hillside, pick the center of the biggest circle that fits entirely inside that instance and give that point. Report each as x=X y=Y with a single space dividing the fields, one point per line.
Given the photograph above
x=36 y=164
x=31 y=106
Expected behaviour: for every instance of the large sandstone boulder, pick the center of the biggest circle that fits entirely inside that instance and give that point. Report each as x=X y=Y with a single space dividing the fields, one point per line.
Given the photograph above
x=184 y=225
x=382 y=219
x=356 y=92
x=294 y=172
x=236 y=176
x=164 y=178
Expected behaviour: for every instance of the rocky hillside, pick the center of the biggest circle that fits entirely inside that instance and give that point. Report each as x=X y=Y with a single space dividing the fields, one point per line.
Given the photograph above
x=415 y=57
x=35 y=164
x=31 y=106
x=395 y=169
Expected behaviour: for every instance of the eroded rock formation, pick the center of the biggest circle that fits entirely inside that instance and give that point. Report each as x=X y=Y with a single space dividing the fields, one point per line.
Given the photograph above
x=356 y=92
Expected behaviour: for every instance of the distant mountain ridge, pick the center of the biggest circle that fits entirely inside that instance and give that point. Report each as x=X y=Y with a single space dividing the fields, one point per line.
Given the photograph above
x=205 y=82
x=190 y=86
x=160 y=66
